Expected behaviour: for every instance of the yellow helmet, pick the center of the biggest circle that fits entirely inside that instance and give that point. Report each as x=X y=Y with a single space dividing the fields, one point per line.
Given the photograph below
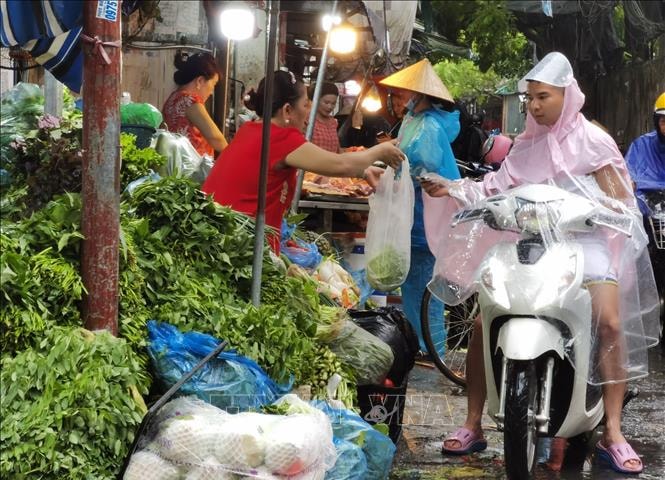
x=659 y=107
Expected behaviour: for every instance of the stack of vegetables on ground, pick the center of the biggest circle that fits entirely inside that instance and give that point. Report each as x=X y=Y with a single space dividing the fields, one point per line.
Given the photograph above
x=185 y=260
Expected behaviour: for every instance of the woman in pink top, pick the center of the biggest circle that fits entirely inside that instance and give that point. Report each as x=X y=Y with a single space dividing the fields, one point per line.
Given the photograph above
x=184 y=111
x=324 y=134
x=561 y=147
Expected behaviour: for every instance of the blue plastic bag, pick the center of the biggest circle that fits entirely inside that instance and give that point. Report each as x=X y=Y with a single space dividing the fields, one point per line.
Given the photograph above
x=379 y=450
x=351 y=463
x=134 y=184
x=304 y=254
x=230 y=381
x=360 y=277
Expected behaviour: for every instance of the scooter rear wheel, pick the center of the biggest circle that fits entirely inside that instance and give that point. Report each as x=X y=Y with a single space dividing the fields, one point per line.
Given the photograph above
x=520 y=430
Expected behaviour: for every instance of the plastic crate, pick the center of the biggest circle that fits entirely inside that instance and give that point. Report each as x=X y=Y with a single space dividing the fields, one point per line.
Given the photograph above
x=143 y=134
x=379 y=404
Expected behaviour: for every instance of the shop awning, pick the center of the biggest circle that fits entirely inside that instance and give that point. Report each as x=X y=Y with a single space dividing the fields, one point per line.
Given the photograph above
x=436 y=44
x=50 y=31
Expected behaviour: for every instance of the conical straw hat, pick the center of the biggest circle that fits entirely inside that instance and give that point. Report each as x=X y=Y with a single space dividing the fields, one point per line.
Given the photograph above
x=419 y=77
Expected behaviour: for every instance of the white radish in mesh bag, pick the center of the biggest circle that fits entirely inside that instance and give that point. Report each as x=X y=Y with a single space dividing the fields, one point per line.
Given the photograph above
x=299 y=442
x=146 y=465
x=240 y=442
x=210 y=469
x=188 y=439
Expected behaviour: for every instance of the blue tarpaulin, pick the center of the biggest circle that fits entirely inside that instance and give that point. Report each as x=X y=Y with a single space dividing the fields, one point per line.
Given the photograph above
x=50 y=30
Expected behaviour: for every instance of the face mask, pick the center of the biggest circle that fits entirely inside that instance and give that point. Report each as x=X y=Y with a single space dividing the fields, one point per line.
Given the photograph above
x=411 y=104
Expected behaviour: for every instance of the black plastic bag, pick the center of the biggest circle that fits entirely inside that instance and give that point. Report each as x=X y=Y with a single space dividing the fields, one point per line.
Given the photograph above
x=390 y=325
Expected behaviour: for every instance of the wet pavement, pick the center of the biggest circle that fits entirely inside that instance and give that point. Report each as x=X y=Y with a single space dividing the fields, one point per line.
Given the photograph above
x=435 y=407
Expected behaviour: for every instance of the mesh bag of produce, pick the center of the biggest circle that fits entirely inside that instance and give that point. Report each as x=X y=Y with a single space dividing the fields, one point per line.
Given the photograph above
x=195 y=441
x=146 y=465
x=241 y=441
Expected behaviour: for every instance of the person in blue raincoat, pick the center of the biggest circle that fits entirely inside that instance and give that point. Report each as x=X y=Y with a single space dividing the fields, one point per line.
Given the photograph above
x=429 y=127
x=646 y=157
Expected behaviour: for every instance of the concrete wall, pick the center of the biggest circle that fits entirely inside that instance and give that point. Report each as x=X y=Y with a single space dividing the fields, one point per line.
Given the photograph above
x=148 y=74
x=6 y=76
x=250 y=55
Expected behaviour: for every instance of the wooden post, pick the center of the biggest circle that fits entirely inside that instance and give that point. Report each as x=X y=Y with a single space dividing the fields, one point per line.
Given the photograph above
x=100 y=222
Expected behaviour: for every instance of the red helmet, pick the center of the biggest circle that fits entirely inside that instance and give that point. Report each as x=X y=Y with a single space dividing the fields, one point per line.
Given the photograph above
x=495 y=149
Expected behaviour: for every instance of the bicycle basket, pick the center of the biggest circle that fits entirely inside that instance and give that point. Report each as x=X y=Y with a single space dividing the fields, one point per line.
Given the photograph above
x=657 y=222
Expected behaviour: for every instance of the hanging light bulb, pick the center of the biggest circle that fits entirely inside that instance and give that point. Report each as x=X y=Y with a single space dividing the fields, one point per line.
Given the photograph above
x=343 y=39
x=351 y=87
x=372 y=101
x=237 y=23
x=328 y=21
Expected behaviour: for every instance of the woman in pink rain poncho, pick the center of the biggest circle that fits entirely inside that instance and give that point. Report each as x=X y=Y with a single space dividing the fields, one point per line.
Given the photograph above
x=559 y=147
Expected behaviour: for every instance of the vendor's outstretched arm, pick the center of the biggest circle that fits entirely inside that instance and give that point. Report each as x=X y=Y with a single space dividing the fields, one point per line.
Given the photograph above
x=348 y=164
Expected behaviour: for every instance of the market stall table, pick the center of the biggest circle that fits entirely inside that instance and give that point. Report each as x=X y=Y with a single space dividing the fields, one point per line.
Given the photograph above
x=329 y=203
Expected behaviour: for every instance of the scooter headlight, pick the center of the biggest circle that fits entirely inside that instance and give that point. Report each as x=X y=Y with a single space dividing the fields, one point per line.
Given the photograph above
x=535 y=217
x=493 y=277
x=564 y=279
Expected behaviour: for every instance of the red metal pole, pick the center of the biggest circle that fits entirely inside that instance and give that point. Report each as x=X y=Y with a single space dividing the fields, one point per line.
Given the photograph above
x=100 y=223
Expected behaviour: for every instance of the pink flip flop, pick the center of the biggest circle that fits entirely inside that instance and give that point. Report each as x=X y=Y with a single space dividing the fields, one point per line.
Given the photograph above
x=469 y=441
x=617 y=455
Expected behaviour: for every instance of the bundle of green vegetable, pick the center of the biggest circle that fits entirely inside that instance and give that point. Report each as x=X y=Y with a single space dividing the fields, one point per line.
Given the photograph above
x=184 y=260
x=48 y=158
x=70 y=406
x=40 y=282
x=195 y=257
x=370 y=357
x=388 y=269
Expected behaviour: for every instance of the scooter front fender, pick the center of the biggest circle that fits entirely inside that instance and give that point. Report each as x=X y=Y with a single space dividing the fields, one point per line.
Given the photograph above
x=527 y=338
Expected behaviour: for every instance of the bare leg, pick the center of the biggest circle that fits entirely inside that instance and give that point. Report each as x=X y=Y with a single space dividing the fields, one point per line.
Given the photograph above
x=475 y=382
x=605 y=302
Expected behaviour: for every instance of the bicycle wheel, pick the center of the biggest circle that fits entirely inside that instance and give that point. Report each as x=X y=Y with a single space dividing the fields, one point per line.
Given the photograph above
x=457 y=322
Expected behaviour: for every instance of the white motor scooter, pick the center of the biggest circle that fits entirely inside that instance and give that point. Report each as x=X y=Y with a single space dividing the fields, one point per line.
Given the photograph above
x=537 y=317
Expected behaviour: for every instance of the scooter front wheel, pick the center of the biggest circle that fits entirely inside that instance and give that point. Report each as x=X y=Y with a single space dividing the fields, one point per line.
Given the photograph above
x=520 y=435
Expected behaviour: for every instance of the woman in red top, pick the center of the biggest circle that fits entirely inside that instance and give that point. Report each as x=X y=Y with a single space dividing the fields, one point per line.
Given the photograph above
x=184 y=110
x=234 y=179
x=324 y=134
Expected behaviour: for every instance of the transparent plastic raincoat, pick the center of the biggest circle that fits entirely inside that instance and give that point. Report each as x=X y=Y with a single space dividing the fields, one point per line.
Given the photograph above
x=577 y=157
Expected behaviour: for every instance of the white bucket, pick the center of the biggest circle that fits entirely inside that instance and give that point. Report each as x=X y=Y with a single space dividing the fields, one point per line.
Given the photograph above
x=352 y=249
x=379 y=298
x=356 y=258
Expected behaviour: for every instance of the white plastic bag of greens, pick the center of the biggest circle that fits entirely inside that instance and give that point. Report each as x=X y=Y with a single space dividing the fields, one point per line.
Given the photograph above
x=370 y=356
x=182 y=160
x=388 y=242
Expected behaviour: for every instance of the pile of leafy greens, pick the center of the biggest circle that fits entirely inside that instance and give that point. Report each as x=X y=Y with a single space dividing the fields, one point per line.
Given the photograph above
x=184 y=259
x=70 y=406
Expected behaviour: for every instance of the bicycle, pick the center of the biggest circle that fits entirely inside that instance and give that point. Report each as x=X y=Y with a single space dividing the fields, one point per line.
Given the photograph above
x=458 y=323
